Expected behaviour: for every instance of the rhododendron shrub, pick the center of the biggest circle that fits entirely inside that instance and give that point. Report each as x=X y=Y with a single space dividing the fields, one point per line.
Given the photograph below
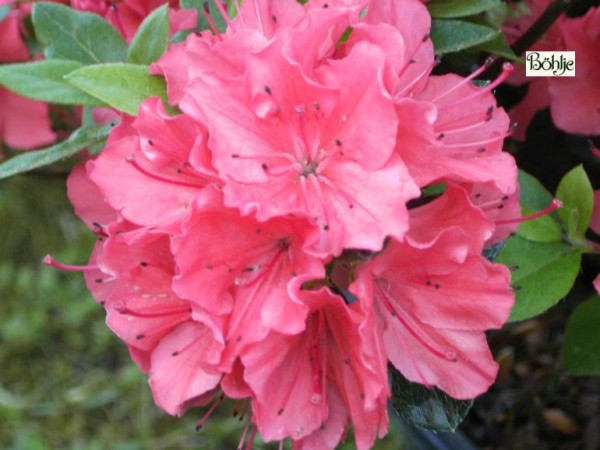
x=293 y=207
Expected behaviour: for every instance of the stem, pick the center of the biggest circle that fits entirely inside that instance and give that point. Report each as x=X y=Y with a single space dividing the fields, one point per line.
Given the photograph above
x=540 y=26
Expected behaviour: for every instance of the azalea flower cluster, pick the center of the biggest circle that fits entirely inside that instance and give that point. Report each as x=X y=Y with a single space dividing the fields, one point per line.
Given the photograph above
x=317 y=210
x=574 y=102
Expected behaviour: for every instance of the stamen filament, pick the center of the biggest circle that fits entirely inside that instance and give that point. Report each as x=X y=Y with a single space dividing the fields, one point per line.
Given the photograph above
x=131 y=160
x=448 y=356
x=51 y=262
x=507 y=69
x=208 y=413
x=488 y=62
x=211 y=22
x=556 y=203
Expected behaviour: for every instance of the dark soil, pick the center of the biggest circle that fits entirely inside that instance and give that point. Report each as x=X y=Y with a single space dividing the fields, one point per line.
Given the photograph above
x=535 y=404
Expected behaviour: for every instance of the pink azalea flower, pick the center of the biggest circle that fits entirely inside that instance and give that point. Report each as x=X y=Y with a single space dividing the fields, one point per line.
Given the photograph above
x=575 y=102
x=302 y=397
x=24 y=123
x=435 y=295
x=151 y=156
x=285 y=144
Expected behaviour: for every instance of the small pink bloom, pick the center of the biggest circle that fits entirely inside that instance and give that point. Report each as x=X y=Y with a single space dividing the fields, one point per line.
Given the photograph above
x=435 y=295
x=249 y=269
x=24 y=123
x=291 y=377
x=463 y=132
x=287 y=145
x=575 y=102
x=151 y=157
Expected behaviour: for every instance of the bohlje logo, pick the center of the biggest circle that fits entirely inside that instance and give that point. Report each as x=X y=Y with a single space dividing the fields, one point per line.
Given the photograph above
x=550 y=64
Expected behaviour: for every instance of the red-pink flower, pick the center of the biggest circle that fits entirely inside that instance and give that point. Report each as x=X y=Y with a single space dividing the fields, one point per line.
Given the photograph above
x=575 y=102
x=435 y=295
x=24 y=123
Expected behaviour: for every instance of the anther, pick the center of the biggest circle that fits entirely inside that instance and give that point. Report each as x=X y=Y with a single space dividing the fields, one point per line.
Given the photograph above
x=268 y=90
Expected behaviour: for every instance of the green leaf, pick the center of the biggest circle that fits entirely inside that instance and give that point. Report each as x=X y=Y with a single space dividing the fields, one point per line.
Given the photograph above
x=44 y=80
x=454 y=35
x=582 y=339
x=424 y=407
x=534 y=198
x=203 y=24
x=577 y=195
x=120 y=85
x=498 y=46
x=75 y=35
x=79 y=140
x=151 y=39
x=459 y=8
x=544 y=273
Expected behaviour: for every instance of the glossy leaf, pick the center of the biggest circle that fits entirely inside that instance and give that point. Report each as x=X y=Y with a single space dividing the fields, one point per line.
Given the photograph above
x=79 y=140
x=425 y=407
x=534 y=197
x=151 y=39
x=577 y=195
x=459 y=8
x=454 y=35
x=44 y=80
x=582 y=339
x=69 y=34
x=543 y=273
x=120 y=85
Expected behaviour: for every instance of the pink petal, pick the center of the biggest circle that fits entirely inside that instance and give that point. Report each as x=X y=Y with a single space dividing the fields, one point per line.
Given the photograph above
x=87 y=199
x=465 y=368
x=181 y=367
x=24 y=123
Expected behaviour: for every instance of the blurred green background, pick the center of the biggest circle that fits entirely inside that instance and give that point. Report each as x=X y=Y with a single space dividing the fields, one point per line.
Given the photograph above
x=66 y=382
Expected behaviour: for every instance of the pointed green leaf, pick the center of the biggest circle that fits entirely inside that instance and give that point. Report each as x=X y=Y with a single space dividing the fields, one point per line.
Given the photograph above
x=454 y=35
x=577 y=195
x=425 y=407
x=69 y=34
x=499 y=46
x=544 y=273
x=151 y=39
x=534 y=197
x=582 y=339
x=459 y=8
x=44 y=80
x=79 y=140
x=120 y=85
